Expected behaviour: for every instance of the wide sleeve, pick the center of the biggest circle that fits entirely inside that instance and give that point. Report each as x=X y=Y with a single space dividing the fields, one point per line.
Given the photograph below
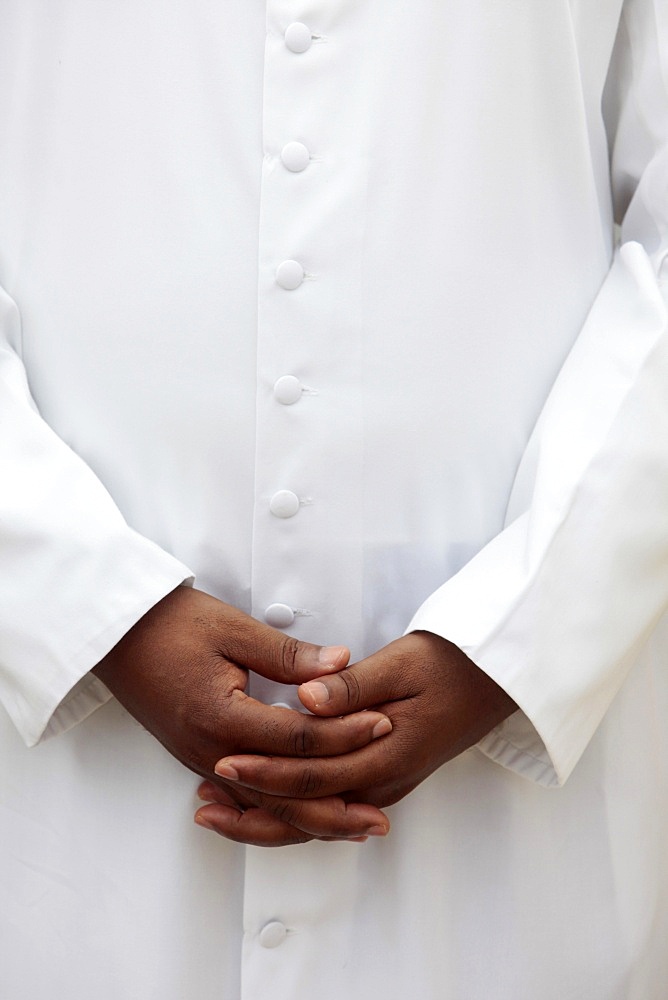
x=557 y=606
x=75 y=577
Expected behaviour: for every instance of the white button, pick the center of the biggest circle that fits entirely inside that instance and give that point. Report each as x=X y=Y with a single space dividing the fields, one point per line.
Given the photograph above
x=295 y=156
x=279 y=615
x=298 y=37
x=284 y=503
x=290 y=274
x=273 y=934
x=287 y=390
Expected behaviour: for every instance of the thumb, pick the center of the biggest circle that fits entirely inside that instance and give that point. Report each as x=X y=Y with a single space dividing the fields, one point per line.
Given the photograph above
x=281 y=657
x=364 y=685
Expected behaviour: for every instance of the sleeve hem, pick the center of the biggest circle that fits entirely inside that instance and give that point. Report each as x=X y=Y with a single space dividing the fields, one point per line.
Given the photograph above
x=535 y=767
x=77 y=693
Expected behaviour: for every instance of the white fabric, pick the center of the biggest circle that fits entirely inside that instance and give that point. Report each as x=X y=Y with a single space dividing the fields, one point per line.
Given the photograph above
x=478 y=450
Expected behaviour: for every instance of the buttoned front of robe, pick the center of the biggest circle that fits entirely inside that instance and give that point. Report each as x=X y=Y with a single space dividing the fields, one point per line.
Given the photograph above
x=323 y=305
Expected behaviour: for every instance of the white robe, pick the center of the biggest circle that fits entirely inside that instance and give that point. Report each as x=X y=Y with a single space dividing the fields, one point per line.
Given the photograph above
x=477 y=441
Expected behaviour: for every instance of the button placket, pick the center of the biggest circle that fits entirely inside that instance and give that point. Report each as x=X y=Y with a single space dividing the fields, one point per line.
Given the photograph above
x=307 y=560
x=309 y=343
x=289 y=276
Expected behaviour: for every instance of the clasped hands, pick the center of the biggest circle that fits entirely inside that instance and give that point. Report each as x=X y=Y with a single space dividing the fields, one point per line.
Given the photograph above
x=275 y=776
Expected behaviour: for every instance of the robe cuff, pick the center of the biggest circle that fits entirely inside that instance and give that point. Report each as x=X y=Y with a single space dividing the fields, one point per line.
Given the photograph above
x=56 y=690
x=557 y=606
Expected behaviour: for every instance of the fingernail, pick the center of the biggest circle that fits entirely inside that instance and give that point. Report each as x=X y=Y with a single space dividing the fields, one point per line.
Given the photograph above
x=317 y=692
x=226 y=771
x=377 y=831
x=381 y=728
x=331 y=656
x=204 y=822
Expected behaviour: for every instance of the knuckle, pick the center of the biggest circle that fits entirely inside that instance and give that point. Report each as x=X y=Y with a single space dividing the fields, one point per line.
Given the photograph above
x=302 y=740
x=352 y=685
x=287 y=811
x=308 y=783
x=289 y=651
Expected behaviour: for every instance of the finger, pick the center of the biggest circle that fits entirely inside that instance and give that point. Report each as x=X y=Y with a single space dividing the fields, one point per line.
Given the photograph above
x=380 y=678
x=268 y=729
x=274 y=654
x=326 y=818
x=329 y=817
x=226 y=794
x=311 y=778
x=271 y=828
x=254 y=826
x=264 y=829
x=235 y=796
x=209 y=792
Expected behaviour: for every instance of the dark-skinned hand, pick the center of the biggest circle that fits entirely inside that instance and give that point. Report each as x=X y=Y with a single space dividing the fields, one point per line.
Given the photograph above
x=182 y=672
x=439 y=702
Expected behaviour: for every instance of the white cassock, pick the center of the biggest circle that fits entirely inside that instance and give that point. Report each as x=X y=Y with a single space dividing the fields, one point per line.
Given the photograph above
x=359 y=254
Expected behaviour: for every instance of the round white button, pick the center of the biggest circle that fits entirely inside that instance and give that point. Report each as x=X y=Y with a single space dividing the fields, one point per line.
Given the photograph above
x=273 y=934
x=287 y=390
x=279 y=615
x=298 y=37
x=290 y=274
x=295 y=156
x=284 y=503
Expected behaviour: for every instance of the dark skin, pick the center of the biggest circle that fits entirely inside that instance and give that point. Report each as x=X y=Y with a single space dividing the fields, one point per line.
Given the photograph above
x=283 y=777
x=439 y=703
x=182 y=672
